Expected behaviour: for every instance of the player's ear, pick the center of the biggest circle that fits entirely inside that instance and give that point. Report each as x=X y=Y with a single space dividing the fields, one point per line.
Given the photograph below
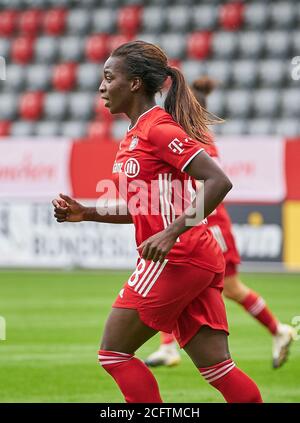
x=136 y=84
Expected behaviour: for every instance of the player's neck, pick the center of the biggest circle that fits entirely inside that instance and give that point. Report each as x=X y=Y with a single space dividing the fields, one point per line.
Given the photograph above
x=138 y=109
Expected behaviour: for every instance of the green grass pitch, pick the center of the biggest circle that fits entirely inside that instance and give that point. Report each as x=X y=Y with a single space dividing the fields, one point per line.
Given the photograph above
x=55 y=319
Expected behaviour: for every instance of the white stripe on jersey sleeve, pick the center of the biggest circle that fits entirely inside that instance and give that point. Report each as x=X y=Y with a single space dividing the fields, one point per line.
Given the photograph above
x=190 y=159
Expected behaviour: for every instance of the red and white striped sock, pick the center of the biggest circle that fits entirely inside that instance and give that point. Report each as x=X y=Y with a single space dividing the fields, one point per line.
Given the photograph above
x=234 y=385
x=166 y=338
x=256 y=306
x=133 y=377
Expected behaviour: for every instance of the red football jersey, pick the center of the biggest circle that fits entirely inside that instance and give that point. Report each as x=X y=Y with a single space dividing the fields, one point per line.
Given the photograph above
x=149 y=174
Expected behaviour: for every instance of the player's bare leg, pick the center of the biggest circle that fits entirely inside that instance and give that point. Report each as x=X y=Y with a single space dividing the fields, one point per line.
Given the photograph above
x=124 y=333
x=254 y=304
x=209 y=351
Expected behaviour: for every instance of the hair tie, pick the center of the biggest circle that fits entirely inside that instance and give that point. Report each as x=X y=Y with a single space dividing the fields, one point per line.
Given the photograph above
x=169 y=71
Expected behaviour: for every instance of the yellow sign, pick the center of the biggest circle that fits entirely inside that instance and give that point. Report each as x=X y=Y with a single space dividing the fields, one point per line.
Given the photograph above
x=291 y=225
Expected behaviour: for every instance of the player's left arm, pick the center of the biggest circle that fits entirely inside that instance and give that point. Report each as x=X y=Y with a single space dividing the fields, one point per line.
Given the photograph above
x=172 y=145
x=208 y=197
x=216 y=182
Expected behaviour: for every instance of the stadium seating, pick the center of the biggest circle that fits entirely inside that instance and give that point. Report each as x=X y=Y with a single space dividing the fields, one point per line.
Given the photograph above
x=96 y=47
x=55 y=51
x=256 y=15
x=8 y=106
x=71 y=49
x=231 y=15
x=224 y=44
x=199 y=45
x=73 y=129
x=216 y=103
x=153 y=19
x=204 y=17
x=88 y=76
x=22 y=129
x=54 y=21
x=128 y=20
x=266 y=102
x=8 y=22
x=244 y=73
x=192 y=69
x=238 y=103
x=29 y=21
x=78 y=21
x=46 y=49
x=47 y=129
x=4 y=128
x=38 y=77
x=15 y=77
x=64 y=76
x=287 y=127
x=56 y=106
x=260 y=126
x=22 y=49
x=219 y=70
x=31 y=105
x=104 y=21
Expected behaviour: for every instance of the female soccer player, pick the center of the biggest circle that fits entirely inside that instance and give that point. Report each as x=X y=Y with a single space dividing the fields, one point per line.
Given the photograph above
x=178 y=280
x=220 y=225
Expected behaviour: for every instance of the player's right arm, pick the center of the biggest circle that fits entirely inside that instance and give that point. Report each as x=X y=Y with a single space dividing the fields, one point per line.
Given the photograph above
x=66 y=209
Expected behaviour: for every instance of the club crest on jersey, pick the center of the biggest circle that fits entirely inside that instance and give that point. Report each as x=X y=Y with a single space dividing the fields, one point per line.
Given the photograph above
x=176 y=145
x=132 y=168
x=134 y=143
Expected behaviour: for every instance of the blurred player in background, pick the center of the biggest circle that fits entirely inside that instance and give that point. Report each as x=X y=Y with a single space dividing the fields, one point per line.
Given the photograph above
x=220 y=225
x=178 y=280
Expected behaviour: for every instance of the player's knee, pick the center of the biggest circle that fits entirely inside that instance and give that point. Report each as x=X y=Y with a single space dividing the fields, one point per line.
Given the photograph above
x=230 y=292
x=232 y=289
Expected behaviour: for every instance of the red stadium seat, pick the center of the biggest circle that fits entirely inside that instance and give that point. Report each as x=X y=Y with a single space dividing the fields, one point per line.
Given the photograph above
x=4 y=128
x=231 y=16
x=96 y=48
x=64 y=76
x=116 y=40
x=129 y=19
x=8 y=22
x=199 y=45
x=22 y=49
x=30 y=21
x=175 y=63
x=101 y=111
x=54 y=21
x=31 y=105
x=99 y=130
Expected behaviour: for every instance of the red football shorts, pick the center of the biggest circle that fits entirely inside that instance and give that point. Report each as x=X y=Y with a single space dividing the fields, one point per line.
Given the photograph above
x=175 y=297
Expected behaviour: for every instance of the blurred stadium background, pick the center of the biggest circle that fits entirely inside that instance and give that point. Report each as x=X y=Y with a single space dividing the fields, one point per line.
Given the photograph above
x=56 y=136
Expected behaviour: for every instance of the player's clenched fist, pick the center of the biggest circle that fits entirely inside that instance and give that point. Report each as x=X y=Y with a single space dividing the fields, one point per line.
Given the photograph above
x=68 y=210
